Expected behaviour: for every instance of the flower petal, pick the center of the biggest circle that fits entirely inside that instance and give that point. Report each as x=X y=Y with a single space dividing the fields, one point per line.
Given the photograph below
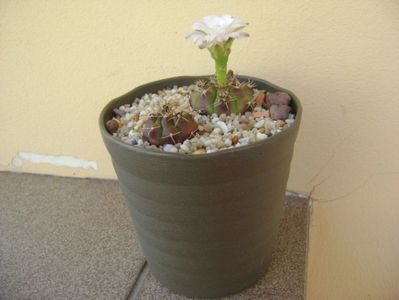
x=216 y=29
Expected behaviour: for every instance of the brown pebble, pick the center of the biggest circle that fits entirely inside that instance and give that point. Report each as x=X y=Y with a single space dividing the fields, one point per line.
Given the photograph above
x=260 y=99
x=279 y=98
x=135 y=117
x=208 y=128
x=280 y=123
x=244 y=120
x=260 y=114
x=280 y=112
x=251 y=124
x=112 y=126
x=244 y=126
x=235 y=139
x=202 y=132
x=262 y=130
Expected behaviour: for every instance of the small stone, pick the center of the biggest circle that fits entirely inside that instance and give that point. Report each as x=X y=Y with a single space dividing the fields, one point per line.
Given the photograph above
x=185 y=148
x=217 y=131
x=220 y=144
x=244 y=141
x=222 y=126
x=112 y=126
x=199 y=151
x=260 y=114
x=244 y=119
x=279 y=98
x=260 y=99
x=251 y=124
x=280 y=123
x=244 y=126
x=260 y=123
x=119 y=112
x=208 y=128
x=289 y=121
x=228 y=142
x=170 y=148
x=209 y=143
x=235 y=139
x=260 y=136
x=252 y=138
x=135 y=118
x=280 y=112
x=215 y=120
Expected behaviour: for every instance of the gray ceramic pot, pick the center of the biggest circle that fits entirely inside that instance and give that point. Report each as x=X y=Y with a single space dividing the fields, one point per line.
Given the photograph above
x=206 y=223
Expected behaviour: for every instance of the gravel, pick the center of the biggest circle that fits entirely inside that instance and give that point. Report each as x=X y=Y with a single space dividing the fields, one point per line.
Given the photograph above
x=215 y=133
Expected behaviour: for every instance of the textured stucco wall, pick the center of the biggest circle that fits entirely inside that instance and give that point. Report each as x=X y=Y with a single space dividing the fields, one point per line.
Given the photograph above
x=61 y=61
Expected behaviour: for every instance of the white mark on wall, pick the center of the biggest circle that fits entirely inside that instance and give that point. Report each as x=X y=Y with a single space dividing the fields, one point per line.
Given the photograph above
x=63 y=161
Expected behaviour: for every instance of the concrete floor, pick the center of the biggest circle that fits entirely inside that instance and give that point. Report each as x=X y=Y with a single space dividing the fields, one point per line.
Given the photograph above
x=67 y=238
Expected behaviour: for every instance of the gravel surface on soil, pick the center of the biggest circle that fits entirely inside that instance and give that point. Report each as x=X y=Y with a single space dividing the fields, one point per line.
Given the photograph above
x=214 y=133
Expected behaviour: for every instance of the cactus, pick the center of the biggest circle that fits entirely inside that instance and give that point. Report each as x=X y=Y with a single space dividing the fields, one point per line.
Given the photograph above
x=169 y=129
x=234 y=97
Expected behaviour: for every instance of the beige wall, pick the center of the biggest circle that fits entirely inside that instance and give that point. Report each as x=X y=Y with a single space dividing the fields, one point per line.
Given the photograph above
x=61 y=61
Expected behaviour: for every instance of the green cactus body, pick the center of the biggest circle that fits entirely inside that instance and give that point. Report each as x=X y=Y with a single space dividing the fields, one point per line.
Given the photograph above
x=159 y=130
x=211 y=98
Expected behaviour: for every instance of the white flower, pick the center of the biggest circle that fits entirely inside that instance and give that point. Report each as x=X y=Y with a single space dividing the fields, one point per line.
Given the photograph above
x=212 y=30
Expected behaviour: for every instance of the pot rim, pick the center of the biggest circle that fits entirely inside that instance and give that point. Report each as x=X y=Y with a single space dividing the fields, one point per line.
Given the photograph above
x=179 y=156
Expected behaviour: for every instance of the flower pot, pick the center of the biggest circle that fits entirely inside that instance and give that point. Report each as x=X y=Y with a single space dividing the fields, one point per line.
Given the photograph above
x=207 y=223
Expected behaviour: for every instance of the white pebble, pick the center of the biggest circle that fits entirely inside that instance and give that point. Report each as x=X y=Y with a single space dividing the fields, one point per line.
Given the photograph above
x=260 y=123
x=223 y=126
x=185 y=148
x=169 y=148
x=260 y=136
x=289 y=121
x=244 y=141
x=216 y=131
x=228 y=142
x=209 y=143
x=215 y=120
